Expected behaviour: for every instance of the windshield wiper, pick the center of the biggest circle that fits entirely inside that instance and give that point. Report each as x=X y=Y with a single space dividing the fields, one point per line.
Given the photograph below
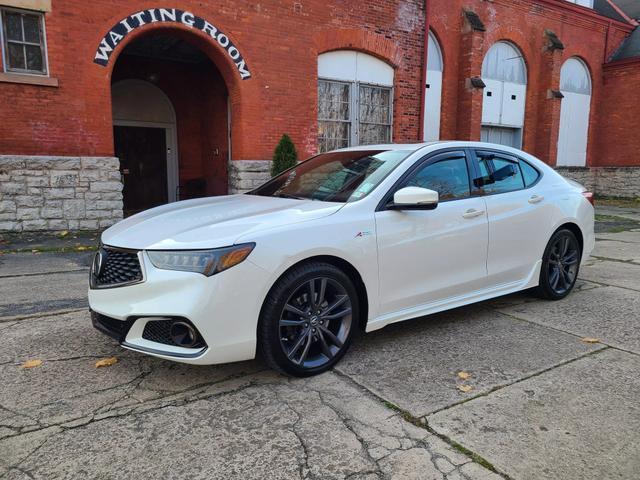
x=288 y=195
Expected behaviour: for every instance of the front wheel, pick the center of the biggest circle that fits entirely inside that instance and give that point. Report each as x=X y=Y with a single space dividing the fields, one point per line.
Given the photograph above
x=560 y=265
x=308 y=319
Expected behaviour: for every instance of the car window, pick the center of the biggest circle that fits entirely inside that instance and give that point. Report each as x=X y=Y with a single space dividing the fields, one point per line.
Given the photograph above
x=449 y=177
x=529 y=173
x=499 y=175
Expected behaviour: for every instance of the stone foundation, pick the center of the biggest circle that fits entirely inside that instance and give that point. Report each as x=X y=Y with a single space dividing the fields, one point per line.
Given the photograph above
x=622 y=182
x=59 y=193
x=245 y=175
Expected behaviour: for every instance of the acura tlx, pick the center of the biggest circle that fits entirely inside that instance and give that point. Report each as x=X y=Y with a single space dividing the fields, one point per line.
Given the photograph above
x=350 y=240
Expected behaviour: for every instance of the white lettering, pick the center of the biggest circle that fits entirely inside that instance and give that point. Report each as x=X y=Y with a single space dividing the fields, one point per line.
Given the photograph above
x=188 y=19
x=138 y=16
x=233 y=53
x=115 y=37
x=244 y=73
x=104 y=49
x=126 y=25
x=152 y=13
x=170 y=14
x=223 y=40
x=210 y=29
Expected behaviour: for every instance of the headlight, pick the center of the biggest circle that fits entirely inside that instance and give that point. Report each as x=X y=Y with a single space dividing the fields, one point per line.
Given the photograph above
x=206 y=262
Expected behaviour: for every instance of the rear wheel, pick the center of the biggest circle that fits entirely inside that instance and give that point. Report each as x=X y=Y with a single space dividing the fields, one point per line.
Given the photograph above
x=308 y=319
x=560 y=265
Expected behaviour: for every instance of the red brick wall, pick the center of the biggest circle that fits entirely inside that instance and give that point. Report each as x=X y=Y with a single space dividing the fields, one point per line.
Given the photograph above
x=617 y=140
x=523 y=23
x=279 y=41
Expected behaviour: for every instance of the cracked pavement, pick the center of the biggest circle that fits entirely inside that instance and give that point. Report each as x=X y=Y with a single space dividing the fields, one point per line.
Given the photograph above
x=543 y=404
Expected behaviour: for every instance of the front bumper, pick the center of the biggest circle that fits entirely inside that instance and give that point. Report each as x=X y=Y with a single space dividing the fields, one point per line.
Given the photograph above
x=224 y=309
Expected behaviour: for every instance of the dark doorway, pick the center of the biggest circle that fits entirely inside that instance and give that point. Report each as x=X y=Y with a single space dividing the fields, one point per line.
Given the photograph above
x=170 y=117
x=143 y=164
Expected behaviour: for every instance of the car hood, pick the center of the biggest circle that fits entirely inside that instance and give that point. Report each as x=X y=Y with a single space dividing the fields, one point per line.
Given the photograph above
x=211 y=222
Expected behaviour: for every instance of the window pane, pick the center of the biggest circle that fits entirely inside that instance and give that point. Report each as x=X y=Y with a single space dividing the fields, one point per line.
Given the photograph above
x=530 y=174
x=332 y=135
x=34 y=58
x=371 y=134
x=333 y=101
x=16 y=56
x=449 y=178
x=507 y=184
x=375 y=105
x=13 y=24
x=31 y=28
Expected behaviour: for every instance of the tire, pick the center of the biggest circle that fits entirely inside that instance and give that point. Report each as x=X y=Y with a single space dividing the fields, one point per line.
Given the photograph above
x=293 y=337
x=560 y=265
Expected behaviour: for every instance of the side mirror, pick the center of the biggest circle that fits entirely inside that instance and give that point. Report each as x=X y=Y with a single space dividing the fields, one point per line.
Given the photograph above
x=414 y=198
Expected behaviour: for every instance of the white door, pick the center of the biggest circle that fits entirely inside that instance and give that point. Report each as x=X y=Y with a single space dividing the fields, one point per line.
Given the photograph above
x=431 y=255
x=520 y=219
x=433 y=92
x=575 y=85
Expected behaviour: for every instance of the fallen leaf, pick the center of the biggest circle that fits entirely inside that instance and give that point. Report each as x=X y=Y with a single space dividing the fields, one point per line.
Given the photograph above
x=80 y=249
x=31 y=364
x=34 y=251
x=106 y=362
x=64 y=233
x=465 y=388
x=590 y=340
x=464 y=375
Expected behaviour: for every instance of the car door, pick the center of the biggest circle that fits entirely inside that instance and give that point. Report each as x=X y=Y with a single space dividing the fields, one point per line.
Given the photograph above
x=520 y=217
x=429 y=255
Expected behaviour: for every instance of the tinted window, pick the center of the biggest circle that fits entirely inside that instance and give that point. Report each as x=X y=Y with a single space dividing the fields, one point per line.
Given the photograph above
x=493 y=177
x=448 y=177
x=530 y=174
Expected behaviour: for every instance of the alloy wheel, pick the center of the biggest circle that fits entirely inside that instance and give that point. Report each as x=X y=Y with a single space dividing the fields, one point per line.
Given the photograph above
x=315 y=322
x=563 y=264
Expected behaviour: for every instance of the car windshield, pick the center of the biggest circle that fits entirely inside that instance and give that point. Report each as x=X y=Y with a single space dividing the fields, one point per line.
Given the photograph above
x=342 y=177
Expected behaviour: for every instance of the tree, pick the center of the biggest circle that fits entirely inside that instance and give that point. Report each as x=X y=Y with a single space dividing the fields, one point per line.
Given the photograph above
x=284 y=156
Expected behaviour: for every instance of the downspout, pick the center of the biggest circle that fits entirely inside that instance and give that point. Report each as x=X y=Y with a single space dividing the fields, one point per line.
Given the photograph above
x=423 y=85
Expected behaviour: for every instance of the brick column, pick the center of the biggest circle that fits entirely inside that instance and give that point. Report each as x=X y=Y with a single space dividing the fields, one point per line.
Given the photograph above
x=546 y=146
x=470 y=96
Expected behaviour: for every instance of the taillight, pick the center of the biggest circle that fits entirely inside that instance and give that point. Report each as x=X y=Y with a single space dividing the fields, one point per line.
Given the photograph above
x=589 y=196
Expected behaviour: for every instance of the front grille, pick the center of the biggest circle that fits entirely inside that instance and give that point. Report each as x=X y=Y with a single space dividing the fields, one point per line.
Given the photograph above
x=159 y=331
x=117 y=267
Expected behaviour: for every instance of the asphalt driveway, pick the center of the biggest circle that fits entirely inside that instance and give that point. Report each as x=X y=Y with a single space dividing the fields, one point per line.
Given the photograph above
x=514 y=388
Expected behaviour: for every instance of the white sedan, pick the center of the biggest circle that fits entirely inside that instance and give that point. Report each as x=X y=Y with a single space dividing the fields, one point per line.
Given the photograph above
x=348 y=240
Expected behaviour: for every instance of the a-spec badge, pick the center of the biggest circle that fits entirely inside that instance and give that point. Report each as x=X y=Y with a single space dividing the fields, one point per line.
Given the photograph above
x=363 y=233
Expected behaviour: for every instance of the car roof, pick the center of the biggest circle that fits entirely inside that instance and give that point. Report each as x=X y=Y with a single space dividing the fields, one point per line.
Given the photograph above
x=414 y=147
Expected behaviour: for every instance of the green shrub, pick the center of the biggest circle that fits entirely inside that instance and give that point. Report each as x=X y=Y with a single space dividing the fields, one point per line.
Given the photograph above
x=284 y=156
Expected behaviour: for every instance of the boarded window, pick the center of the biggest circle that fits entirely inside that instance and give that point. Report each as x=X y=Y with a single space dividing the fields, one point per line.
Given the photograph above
x=23 y=42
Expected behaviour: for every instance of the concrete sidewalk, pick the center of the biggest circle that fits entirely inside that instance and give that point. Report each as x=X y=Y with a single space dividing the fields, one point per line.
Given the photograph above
x=539 y=402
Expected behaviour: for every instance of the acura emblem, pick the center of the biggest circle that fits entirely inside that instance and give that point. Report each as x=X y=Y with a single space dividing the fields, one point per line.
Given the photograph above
x=97 y=263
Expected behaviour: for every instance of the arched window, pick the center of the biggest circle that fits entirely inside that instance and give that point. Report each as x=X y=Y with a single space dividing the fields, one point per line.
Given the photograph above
x=504 y=62
x=433 y=93
x=505 y=75
x=355 y=100
x=575 y=85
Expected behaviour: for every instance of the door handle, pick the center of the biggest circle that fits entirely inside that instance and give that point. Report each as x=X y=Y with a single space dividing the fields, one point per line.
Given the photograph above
x=536 y=199
x=472 y=213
